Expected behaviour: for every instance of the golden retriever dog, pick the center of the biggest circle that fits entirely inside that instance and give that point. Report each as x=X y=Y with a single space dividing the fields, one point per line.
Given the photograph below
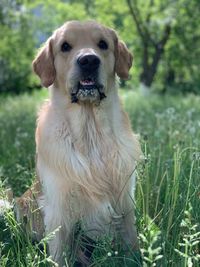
x=86 y=150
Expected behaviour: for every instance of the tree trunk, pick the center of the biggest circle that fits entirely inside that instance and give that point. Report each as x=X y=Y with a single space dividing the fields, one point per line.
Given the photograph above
x=149 y=70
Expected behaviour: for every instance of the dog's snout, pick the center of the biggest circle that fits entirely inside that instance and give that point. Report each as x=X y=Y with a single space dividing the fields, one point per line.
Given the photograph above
x=88 y=62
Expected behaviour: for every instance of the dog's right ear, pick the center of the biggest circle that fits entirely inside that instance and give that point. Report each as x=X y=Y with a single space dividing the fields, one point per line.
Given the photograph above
x=43 y=65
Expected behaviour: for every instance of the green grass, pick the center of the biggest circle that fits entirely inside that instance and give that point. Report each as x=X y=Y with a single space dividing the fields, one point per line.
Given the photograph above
x=168 y=188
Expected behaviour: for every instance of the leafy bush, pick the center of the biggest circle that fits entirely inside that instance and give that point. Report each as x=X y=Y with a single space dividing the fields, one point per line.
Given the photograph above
x=16 y=47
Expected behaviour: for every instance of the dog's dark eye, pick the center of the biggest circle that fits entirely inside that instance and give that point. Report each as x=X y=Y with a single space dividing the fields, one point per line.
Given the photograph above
x=65 y=47
x=103 y=45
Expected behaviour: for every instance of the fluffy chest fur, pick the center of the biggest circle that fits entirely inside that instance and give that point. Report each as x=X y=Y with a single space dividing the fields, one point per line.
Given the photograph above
x=90 y=148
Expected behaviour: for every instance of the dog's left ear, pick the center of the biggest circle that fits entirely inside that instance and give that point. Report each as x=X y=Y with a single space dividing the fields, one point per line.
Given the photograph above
x=123 y=61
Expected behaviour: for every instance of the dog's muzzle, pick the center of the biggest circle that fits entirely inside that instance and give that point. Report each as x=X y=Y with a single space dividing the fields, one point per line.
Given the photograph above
x=88 y=87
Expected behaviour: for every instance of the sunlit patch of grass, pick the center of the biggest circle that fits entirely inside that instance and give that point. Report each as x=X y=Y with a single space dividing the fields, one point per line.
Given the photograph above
x=168 y=188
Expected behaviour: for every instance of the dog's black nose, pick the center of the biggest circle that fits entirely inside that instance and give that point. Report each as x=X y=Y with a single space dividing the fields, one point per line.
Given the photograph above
x=88 y=62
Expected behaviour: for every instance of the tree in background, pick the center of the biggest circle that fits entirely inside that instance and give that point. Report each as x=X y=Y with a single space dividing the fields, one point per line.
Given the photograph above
x=169 y=37
x=163 y=35
x=182 y=57
x=154 y=32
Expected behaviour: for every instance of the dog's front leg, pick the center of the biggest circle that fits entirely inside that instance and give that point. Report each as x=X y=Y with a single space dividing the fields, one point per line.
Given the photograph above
x=55 y=233
x=58 y=235
x=124 y=222
x=123 y=219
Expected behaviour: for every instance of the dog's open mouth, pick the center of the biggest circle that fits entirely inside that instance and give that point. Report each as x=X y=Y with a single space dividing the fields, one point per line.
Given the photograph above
x=88 y=89
x=87 y=83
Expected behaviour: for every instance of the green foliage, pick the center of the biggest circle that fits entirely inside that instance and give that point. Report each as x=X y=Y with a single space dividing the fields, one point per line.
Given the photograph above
x=16 y=47
x=167 y=195
x=180 y=63
x=190 y=240
x=178 y=67
x=24 y=25
x=16 y=248
x=17 y=123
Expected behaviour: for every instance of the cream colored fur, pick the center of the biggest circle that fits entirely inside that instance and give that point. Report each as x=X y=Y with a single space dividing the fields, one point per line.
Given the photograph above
x=86 y=153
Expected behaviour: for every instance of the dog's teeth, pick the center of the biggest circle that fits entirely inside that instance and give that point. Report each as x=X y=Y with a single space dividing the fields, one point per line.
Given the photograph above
x=86 y=82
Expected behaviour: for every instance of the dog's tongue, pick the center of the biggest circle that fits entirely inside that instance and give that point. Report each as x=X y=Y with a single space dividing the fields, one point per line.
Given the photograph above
x=87 y=82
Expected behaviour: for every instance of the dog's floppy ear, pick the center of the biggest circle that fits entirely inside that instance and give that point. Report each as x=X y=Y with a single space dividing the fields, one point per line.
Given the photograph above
x=123 y=60
x=43 y=65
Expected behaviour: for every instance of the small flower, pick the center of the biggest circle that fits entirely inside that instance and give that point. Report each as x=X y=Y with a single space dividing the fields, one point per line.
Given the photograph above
x=170 y=111
x=176 y=132
x=142 y=157
x=146 y=160
x=116 y=253
x=109 y=254
x=175 y=146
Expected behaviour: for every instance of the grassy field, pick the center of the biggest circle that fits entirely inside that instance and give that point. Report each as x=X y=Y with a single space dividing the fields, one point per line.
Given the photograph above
x=168 y=188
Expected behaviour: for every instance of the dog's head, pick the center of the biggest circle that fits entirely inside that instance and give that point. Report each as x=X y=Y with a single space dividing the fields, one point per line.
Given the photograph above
x=82 y=58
